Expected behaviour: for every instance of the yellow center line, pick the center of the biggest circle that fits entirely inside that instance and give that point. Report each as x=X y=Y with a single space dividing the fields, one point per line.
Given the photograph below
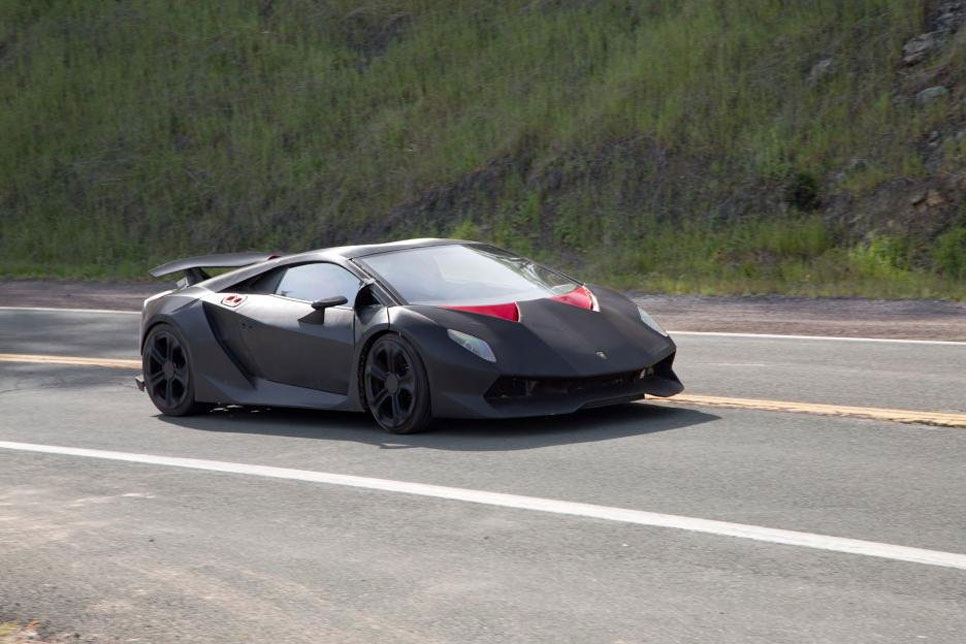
x=112 y=363
x=875 y=413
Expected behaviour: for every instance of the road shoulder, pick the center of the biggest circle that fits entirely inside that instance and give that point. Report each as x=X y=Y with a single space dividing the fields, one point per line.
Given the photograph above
x=770 y=314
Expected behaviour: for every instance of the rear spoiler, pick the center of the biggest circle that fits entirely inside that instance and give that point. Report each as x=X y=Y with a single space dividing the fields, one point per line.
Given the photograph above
x=192 y=266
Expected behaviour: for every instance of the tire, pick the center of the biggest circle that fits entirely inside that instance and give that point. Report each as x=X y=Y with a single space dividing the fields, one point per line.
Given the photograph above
x=396 y=387
x=168 y=378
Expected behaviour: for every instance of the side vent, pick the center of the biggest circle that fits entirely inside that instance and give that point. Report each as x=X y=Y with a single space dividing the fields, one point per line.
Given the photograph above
x=228 y=335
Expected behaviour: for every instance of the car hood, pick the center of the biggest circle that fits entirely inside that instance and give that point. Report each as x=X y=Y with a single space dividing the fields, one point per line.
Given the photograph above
x=554 y=339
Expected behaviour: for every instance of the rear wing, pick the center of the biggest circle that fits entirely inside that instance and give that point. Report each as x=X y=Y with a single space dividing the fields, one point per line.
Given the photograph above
x=193 y=266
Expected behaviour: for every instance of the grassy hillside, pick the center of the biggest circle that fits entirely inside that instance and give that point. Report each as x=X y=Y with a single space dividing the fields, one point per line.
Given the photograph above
x=710 y=146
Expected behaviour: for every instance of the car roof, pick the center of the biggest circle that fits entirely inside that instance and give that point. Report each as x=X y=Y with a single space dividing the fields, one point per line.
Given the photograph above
x=339 y=255
x=363 y=250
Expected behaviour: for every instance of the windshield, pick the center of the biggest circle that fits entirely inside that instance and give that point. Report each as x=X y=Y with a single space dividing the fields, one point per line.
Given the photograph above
x=466 y=275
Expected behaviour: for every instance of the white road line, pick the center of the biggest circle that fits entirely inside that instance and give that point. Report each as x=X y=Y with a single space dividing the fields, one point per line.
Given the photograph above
x=51 y=309
x=622 y=515
x=770 y=336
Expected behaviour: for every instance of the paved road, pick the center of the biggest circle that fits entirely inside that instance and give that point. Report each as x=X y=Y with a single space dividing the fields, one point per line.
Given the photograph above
x=120 y=551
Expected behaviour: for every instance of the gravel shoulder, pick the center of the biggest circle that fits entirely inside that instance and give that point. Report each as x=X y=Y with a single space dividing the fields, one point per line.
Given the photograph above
x=845 y=317
x=841 y=317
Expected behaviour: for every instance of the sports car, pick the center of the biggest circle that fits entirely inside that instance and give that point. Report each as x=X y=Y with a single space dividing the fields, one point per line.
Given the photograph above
x=407 y=331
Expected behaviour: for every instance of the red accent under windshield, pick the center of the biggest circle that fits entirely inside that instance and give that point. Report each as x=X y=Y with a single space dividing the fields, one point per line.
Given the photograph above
x=580 y=297
x=509 y=311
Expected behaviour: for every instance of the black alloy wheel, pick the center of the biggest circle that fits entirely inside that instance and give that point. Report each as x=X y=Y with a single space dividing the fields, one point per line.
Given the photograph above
x=167 y=374
x=396 y=387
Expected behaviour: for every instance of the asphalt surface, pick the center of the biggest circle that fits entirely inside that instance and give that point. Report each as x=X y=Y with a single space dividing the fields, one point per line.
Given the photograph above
x=136 y=552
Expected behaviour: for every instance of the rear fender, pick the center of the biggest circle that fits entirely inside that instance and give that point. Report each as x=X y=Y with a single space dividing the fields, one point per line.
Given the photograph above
x=211 y=367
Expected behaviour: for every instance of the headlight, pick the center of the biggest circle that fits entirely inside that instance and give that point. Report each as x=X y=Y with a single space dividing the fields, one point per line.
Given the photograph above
x=472 y=344
x=651 y=322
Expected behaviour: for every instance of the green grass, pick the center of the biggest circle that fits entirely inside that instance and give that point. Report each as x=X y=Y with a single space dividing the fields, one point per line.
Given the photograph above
x=669 y=144
x=800 y=260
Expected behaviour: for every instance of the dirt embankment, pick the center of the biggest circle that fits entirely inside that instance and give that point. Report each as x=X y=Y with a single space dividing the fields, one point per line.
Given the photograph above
x=13 y=633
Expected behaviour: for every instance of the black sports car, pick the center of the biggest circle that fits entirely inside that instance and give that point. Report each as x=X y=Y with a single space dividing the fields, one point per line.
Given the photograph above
x=408 y=331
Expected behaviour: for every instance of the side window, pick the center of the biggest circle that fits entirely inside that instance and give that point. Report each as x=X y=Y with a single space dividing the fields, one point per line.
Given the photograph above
x=264 y=283
x=312 y=282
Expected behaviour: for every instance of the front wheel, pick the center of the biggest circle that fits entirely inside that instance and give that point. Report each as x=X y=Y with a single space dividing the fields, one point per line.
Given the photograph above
x=167 y=372
x=396 y=386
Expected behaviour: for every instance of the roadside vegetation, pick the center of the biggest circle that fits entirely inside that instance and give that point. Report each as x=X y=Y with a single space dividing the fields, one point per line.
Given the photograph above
x=701 y=146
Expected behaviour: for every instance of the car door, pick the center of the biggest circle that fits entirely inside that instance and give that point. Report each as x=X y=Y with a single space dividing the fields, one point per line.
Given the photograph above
x=287 y=340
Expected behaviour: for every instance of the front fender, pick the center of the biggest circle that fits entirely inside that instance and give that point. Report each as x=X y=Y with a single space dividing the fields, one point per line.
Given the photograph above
x=457 y=378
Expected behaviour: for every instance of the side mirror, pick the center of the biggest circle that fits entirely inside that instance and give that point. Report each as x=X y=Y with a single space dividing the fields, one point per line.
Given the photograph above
x=326 y=302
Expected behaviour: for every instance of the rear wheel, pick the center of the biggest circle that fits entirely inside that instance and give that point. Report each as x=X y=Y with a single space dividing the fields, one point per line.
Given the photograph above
x=167 y=372
x=396 y=387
